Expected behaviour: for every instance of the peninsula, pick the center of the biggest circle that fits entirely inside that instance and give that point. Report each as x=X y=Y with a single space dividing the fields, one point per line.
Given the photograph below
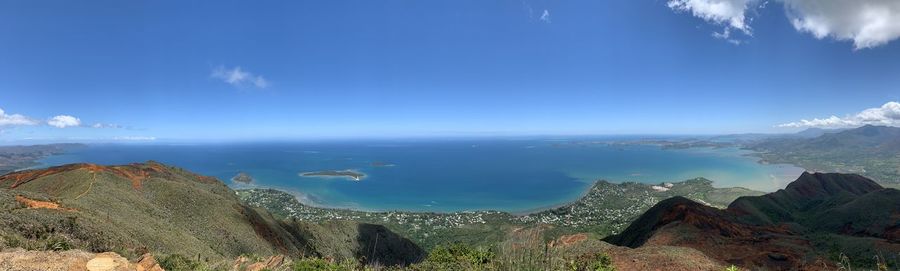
x=20 y=157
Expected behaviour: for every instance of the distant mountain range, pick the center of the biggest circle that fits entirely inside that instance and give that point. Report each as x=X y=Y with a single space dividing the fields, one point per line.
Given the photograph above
x=815 y=221
x=874 y=140
x=817 y=132
x=872 y=151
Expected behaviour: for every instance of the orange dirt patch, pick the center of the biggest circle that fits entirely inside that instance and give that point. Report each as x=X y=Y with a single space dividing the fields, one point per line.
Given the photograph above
x=137 y=173
x=567 y=240
x=38 y=204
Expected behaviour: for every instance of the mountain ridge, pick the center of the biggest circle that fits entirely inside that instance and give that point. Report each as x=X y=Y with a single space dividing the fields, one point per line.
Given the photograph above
x=150 y=207
x=790 y=225
x=868 y=150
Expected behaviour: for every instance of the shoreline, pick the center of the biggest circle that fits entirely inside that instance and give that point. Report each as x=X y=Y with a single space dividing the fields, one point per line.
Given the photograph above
x=304 y=199
x=574 y=197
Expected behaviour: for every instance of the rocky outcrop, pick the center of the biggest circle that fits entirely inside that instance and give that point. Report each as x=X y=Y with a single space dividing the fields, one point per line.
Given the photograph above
x=73 y=260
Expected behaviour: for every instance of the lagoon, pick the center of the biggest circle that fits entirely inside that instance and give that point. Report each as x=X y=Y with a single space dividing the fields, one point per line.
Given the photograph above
x=445 y=175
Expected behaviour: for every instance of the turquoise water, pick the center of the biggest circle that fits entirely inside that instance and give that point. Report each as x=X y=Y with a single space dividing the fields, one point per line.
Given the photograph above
x=450 y=175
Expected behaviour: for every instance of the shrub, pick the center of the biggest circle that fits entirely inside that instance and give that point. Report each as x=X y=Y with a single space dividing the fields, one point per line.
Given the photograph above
x=318 y=264
x=178 y=262
x=592 y=262
x=57 y=243
x=459 y=254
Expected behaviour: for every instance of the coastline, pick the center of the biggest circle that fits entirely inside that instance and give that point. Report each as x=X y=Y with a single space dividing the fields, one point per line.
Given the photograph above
x=569 y=199
x=305 y=199
x=567 y=203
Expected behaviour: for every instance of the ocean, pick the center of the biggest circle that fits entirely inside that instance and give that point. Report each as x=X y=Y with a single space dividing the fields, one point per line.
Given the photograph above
x=445 y=175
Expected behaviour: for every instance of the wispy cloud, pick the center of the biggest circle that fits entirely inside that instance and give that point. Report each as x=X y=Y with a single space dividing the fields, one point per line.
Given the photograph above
x=238 y=77
x=528 y=9
x=545 y=17
x=726 y=35
x=887 y=114
x=15 y=119
x=106 y=125
x=63 y=121
x=867 y=23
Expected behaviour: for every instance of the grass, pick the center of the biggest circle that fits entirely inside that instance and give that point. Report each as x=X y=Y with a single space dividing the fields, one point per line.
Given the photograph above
x=172 y=212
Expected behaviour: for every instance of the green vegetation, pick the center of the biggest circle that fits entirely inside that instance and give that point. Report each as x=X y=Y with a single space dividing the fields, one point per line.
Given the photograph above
x=193 y=222
x=457 y=256
x=451 y=257
x=136 y=209
x=319 y=264
x=845 y=215
x=180 y=262
x=605 y=209
x=873 y=151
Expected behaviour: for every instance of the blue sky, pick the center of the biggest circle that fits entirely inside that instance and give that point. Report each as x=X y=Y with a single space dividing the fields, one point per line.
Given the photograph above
x=244 y=70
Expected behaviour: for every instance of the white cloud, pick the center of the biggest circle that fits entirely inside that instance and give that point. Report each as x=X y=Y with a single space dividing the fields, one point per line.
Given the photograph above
x=63 y=121
x=888 y=114
x=15 y=119
x=239 y=78
x=545 y=17
x=730 y=13
x=726 y=35
x=867 y=23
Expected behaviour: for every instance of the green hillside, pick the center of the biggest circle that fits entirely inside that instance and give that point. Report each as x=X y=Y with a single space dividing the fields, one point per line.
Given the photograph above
x=818 y=219
x=873 y=151
x=150 y=207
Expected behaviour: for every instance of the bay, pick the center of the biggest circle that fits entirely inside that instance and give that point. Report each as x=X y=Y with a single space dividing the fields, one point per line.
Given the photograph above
x=445 y=175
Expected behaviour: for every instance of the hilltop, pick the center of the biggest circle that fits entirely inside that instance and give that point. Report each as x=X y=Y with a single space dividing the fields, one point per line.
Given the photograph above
x=802 y=225
x=150 y=207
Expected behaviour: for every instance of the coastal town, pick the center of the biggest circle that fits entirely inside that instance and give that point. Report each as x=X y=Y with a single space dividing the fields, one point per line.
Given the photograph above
x=606 y=208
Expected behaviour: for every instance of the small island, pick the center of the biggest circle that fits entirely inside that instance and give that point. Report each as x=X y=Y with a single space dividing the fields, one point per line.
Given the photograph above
x=381 y=164
x=353 y=175
x=242 y=177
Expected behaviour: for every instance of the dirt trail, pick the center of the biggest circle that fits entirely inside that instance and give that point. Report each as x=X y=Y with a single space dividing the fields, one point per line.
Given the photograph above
x=90 y=186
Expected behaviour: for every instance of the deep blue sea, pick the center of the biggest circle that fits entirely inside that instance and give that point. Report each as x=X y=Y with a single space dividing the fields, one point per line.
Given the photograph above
x=446 y=175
